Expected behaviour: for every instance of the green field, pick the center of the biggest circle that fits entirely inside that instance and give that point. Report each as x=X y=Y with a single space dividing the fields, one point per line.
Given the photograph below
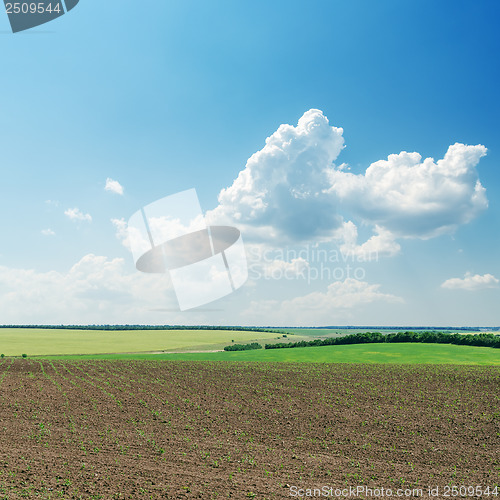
x=36 y=342
x=404 y=353
x=151 y=344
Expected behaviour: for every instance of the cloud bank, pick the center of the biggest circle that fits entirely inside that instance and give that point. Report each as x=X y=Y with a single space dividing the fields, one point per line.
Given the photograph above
x=336 y=304
x=94 y=290
x=291 y=191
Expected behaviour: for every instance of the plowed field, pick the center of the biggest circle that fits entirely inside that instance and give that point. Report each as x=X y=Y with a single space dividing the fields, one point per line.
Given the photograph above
x=173 y=429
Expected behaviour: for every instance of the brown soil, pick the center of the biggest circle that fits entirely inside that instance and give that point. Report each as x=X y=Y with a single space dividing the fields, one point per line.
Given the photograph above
x=173 y=429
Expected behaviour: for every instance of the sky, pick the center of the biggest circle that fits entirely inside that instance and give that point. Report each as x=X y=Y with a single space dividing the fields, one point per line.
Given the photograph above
x=355 y=145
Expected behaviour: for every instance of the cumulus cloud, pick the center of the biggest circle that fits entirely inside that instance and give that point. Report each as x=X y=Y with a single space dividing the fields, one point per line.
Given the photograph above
x=415 y=198
x=339 y=298
x=48 y=232
x=75 y=214
x=471 y=282
x=277 y=268
x=381 y=244
x=113 y=186
x=94 y=290
x=280 y=195
x=291 y=192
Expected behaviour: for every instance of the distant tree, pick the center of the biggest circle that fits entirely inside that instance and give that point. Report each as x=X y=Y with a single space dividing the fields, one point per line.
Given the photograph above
x=243 y=347
x=481 y=339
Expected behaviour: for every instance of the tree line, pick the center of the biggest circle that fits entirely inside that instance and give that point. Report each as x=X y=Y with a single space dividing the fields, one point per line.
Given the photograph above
x=144 y=327
x=480 y=339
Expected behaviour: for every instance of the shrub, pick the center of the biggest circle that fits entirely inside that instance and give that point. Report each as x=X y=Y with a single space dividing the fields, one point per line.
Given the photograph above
x=25 y=355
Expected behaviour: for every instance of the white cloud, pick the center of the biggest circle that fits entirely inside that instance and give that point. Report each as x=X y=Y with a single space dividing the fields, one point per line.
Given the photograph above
x=48 y=232
x=340 y=298
x=415 y=198
x=113 y=186
x=280 y=268
x=95 y=290
x=122 y=232
x=291 y=191
x=76 y=214
x=280 y=195
x=471 y=282
x=381 y=244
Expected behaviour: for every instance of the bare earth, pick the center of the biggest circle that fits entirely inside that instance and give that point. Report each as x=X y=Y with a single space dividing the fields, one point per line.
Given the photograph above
x=173 y=429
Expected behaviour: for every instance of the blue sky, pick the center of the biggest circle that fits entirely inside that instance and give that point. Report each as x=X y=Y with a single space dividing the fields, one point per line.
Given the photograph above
x=176 y=95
